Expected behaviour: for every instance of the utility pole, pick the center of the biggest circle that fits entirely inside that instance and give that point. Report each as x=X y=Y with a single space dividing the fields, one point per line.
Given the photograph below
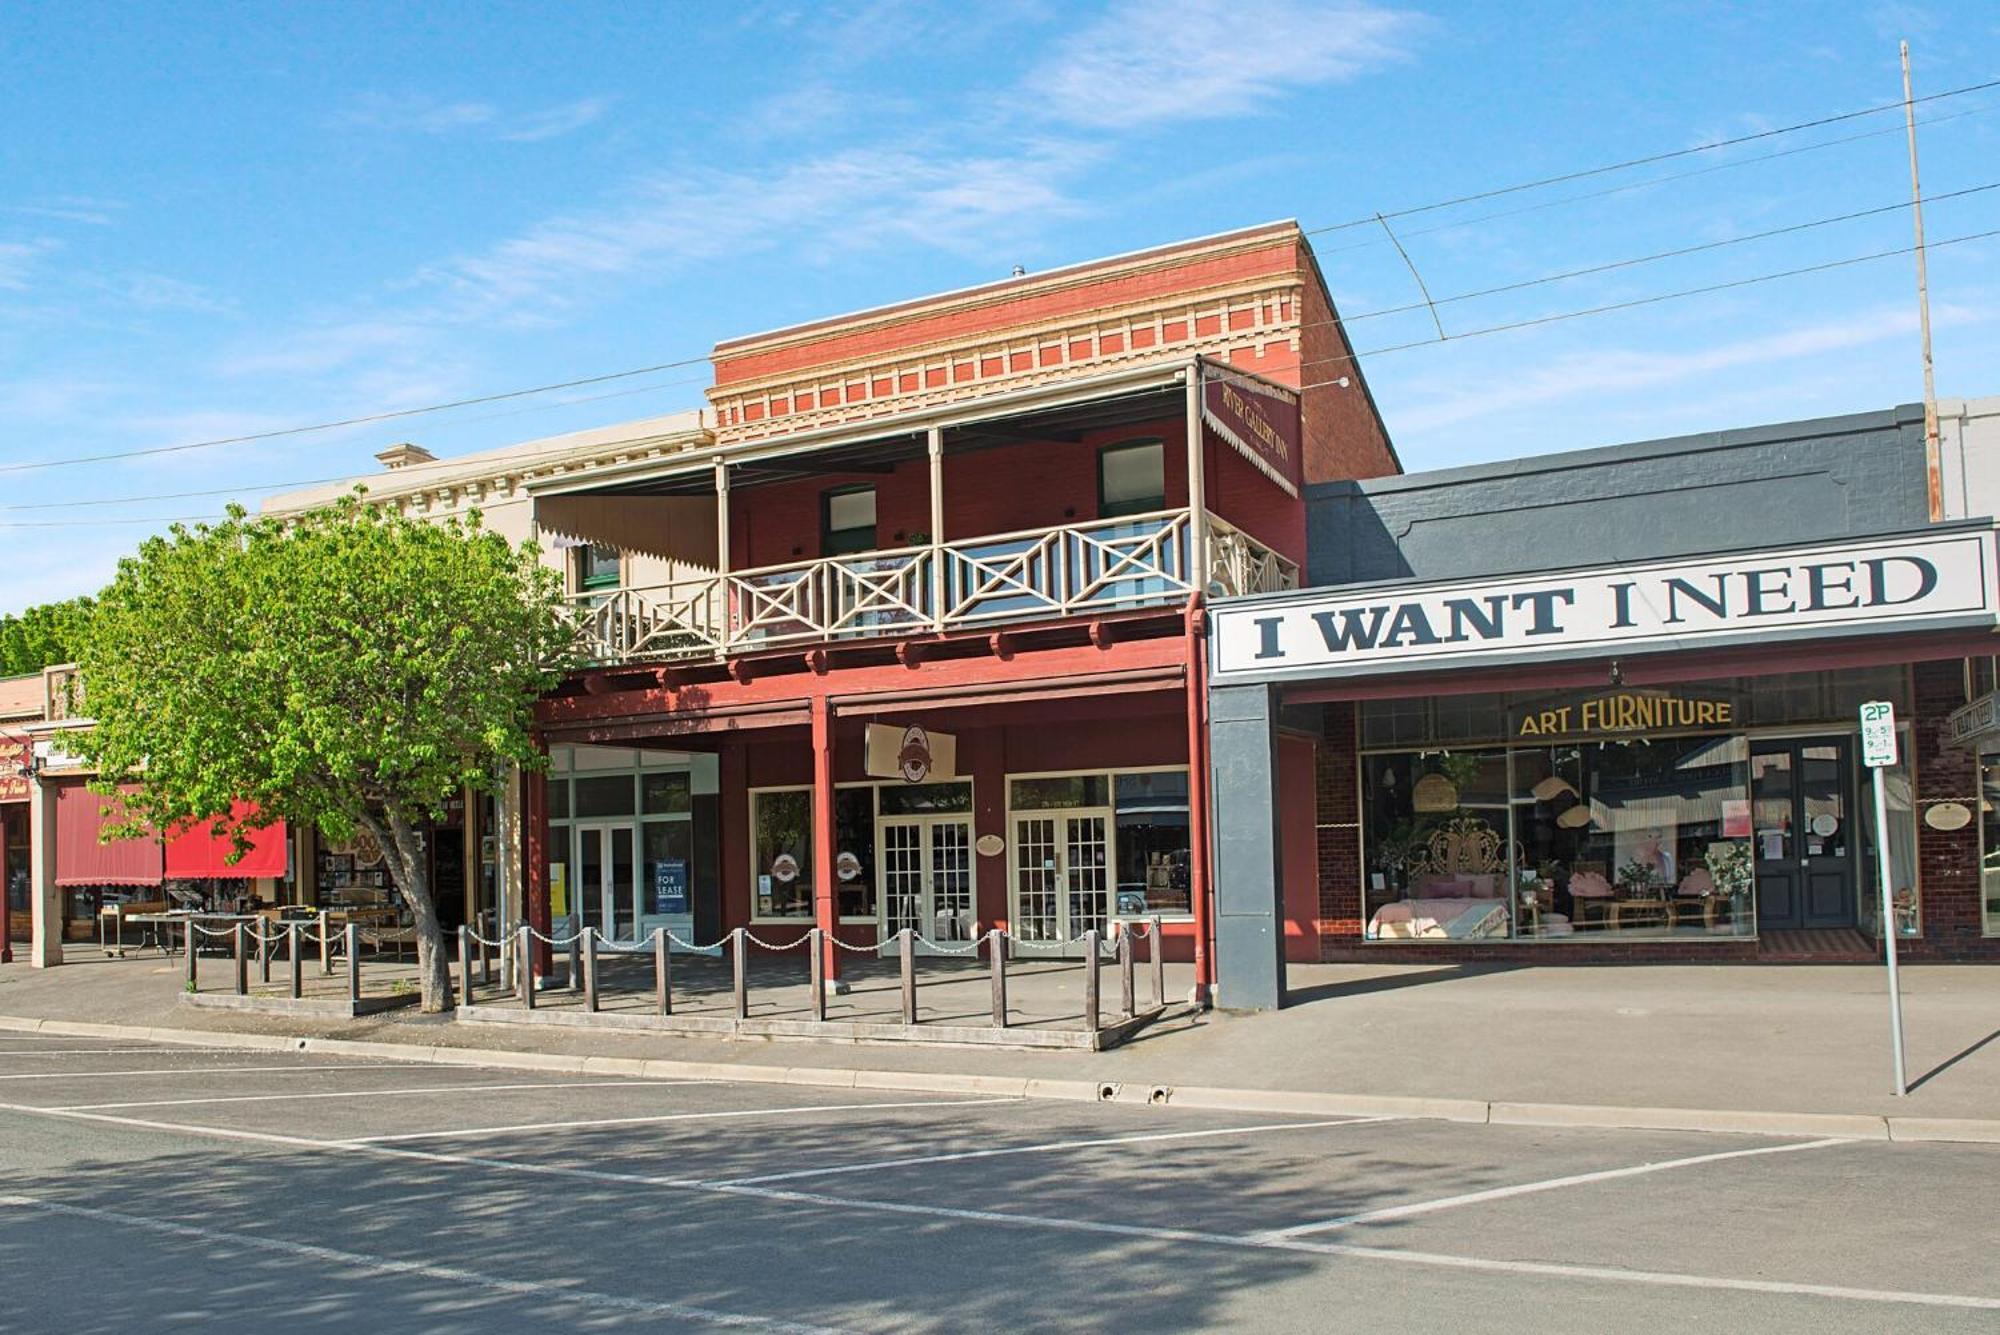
x=1933 y=466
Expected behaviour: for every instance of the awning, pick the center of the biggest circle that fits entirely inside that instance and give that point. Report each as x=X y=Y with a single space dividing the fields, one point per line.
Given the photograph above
x=196 y=853
x=81 y=859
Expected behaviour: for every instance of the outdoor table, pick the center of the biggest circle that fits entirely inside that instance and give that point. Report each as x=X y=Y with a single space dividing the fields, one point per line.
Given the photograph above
x=188 y=919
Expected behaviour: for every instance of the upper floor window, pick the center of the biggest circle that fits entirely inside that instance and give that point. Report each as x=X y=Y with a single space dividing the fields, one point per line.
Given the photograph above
x=847 y=521
x=1131 y=478
x=597 y=568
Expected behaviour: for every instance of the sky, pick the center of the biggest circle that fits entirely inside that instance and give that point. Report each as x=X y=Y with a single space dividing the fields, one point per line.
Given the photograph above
x=221 y=219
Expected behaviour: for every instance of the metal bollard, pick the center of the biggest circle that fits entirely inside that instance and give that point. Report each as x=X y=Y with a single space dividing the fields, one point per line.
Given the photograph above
x=193 y=969
x=663 y=970
x=297 y=961
x=525 y=968
x=737 y=947
x=589 y=947
x=238 y=945
x=1092 y=988
x=816 y=945
x=464 y=965
x=1156 y=951
x=353 y=935
x=906 y=948
x=996 y=956
x=1128 y=992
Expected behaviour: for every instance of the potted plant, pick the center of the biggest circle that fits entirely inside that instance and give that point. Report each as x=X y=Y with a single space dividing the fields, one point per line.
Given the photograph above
x=1730 y=868
x=1635 y=879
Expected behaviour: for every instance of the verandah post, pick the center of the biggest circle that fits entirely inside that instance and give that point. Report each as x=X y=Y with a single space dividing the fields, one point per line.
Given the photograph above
x=826 y=904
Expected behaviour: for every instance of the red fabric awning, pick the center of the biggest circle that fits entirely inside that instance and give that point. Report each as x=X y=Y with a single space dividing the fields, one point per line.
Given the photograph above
x=82 y=860
x=196 y=854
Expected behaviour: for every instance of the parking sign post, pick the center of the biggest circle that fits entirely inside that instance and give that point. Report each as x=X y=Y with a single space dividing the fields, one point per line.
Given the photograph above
x=1878 y=751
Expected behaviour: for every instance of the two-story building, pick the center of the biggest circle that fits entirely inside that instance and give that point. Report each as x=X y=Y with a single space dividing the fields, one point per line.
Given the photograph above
x=927 y=651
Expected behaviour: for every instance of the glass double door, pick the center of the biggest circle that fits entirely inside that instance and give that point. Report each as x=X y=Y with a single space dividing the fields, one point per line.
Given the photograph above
x=1807 y=839
x=606 y=893
x=927 y=880
x=1062 y=874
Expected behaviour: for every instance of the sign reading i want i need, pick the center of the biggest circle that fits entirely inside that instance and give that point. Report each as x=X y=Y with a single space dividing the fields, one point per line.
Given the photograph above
x=1920 y=582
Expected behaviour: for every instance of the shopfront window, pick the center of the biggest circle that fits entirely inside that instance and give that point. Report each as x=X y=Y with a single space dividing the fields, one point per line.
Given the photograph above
x=1989 y=843
x=1152 y=839
x=1066 y=792
x=854 y=860
x=781 y=852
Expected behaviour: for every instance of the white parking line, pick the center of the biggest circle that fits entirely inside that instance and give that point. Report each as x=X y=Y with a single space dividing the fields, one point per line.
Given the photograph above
x=1052 y=1147
x=383 y=1265
x=1529 y=1188
x=88 y=1052
x=376 y=1094
x=958 y=1214
x=205 y=1071
x=664 y=1117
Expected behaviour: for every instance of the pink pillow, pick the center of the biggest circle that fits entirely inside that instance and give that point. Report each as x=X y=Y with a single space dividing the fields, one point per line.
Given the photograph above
x=1698 y=882
x=1482 y=886
x=1589 y=885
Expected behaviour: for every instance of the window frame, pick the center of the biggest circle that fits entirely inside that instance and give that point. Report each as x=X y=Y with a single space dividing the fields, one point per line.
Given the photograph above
x=580 y=562
x=1107 y=509
x=827 y=532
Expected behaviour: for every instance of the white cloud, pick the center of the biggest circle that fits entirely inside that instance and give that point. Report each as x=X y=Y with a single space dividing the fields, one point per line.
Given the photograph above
x=416 y=113
x=554 y=122
x=1148 y=63
x=18 y=259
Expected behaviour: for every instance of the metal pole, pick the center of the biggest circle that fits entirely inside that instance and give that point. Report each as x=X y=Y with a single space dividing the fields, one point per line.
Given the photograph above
x=662 y=970
x=737 y=947
x=816 y=971
x=906 y=951
x=353 y=935
x=239 y=947
x=298 y=963
x=588 y=943
x=935 y=448
x=524 y=965
x=1092 y=990
x=1933 y=463
x=996 y=959
x=1158 y=956
x=1128 y=992
x=1882 y=874
x=465 y=964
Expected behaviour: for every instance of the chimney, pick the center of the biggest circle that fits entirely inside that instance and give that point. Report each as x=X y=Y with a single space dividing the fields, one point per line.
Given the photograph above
x=403 y=454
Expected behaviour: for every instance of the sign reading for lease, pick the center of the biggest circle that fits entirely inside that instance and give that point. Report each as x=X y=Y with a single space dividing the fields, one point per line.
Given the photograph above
x=1919 y=582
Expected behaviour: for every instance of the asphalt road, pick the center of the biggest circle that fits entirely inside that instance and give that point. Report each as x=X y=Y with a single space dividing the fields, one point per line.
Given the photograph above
x=157 y=1187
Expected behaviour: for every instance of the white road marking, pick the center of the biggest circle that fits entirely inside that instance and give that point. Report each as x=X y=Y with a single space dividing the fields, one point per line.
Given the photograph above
x=205 y=1071
x=1052 y=1147
x=383 y=1265
x=1253 y=1241
x=377 y=1093
x=665 y=1117
x=1529 y=1188
x=92 y=1052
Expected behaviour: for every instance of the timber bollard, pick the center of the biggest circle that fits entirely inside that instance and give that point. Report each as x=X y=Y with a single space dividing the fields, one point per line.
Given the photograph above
x=663 y=970
x=816 y=971
x=525 y=967
x=325 y=947
x=264 y=944
x=1092 y=982
x=193 y=969
x=1156 y=953
x=485 y=964
x=242 y=963
x=353 y=935
x=297 y=961
x=906 y=951
x=1128 y=992
x=575 y=955
x=996 y=957
x=588 y=944
x=737 y=947
x=464 y=965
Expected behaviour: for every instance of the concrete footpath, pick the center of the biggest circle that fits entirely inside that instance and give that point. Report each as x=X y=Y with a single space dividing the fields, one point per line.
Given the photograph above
x=1763 y=1048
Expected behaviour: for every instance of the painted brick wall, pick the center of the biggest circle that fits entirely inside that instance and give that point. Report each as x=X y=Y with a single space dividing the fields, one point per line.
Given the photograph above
x=1344 y=436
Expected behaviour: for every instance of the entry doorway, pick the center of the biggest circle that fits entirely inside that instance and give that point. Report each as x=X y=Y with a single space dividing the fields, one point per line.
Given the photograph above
x=606 y=895
x=1062 y=874
x=926 y=879
x=1806 y=834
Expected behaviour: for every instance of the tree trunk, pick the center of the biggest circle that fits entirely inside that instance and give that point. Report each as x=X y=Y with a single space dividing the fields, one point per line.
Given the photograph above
x=404 y=847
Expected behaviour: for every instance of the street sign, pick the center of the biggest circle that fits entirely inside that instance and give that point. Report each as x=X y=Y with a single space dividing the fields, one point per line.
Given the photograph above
x=1878 y=734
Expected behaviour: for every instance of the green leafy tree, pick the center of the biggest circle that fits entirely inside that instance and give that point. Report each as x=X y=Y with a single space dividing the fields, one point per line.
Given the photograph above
x=353 y=669
x=41 y=636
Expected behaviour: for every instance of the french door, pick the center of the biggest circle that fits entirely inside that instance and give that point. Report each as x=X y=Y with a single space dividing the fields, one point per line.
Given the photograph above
x=926 y=878
x=1062 y=874
x=607 y=889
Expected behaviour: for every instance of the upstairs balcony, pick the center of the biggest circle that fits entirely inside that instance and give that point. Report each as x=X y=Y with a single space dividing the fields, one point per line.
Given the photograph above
x=1115 y=495
x=1107 y=565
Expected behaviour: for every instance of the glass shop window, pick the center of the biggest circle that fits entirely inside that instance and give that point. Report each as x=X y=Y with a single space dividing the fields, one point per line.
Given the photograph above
x=854 y=857
x=1152 y=841
x=610 y=795
x=1057 y=794
x=781 y=856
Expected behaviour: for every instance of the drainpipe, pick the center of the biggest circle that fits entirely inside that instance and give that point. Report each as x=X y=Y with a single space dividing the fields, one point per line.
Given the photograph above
x=1200 y=854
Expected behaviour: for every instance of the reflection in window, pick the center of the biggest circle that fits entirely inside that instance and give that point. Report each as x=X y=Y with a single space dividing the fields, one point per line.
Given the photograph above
x=854 y=851
x=1070 y=790
x=781 y=858
x=1152 y=838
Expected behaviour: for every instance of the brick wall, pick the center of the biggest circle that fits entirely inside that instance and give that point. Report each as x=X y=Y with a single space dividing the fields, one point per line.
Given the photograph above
x=1947 y=860
x=1338 y=805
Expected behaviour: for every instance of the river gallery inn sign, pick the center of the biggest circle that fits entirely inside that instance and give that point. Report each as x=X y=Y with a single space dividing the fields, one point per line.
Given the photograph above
x=1916 y=582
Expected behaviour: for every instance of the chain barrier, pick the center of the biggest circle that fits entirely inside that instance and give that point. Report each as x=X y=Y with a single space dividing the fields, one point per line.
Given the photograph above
x=689 y=945
x=758 y=941
x=939 y=948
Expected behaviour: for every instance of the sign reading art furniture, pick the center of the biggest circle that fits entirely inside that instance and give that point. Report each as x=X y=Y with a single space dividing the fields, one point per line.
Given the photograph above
x=1626 y=711
x=1918 y=582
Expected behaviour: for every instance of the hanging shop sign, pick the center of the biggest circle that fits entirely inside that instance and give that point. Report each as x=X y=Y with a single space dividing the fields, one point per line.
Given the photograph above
x=1948 y=816
x=1919 y=582
x=1968 y=725
x=910 y=753
x=1626 y=712
x=1259 y=420
x=16 y=757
